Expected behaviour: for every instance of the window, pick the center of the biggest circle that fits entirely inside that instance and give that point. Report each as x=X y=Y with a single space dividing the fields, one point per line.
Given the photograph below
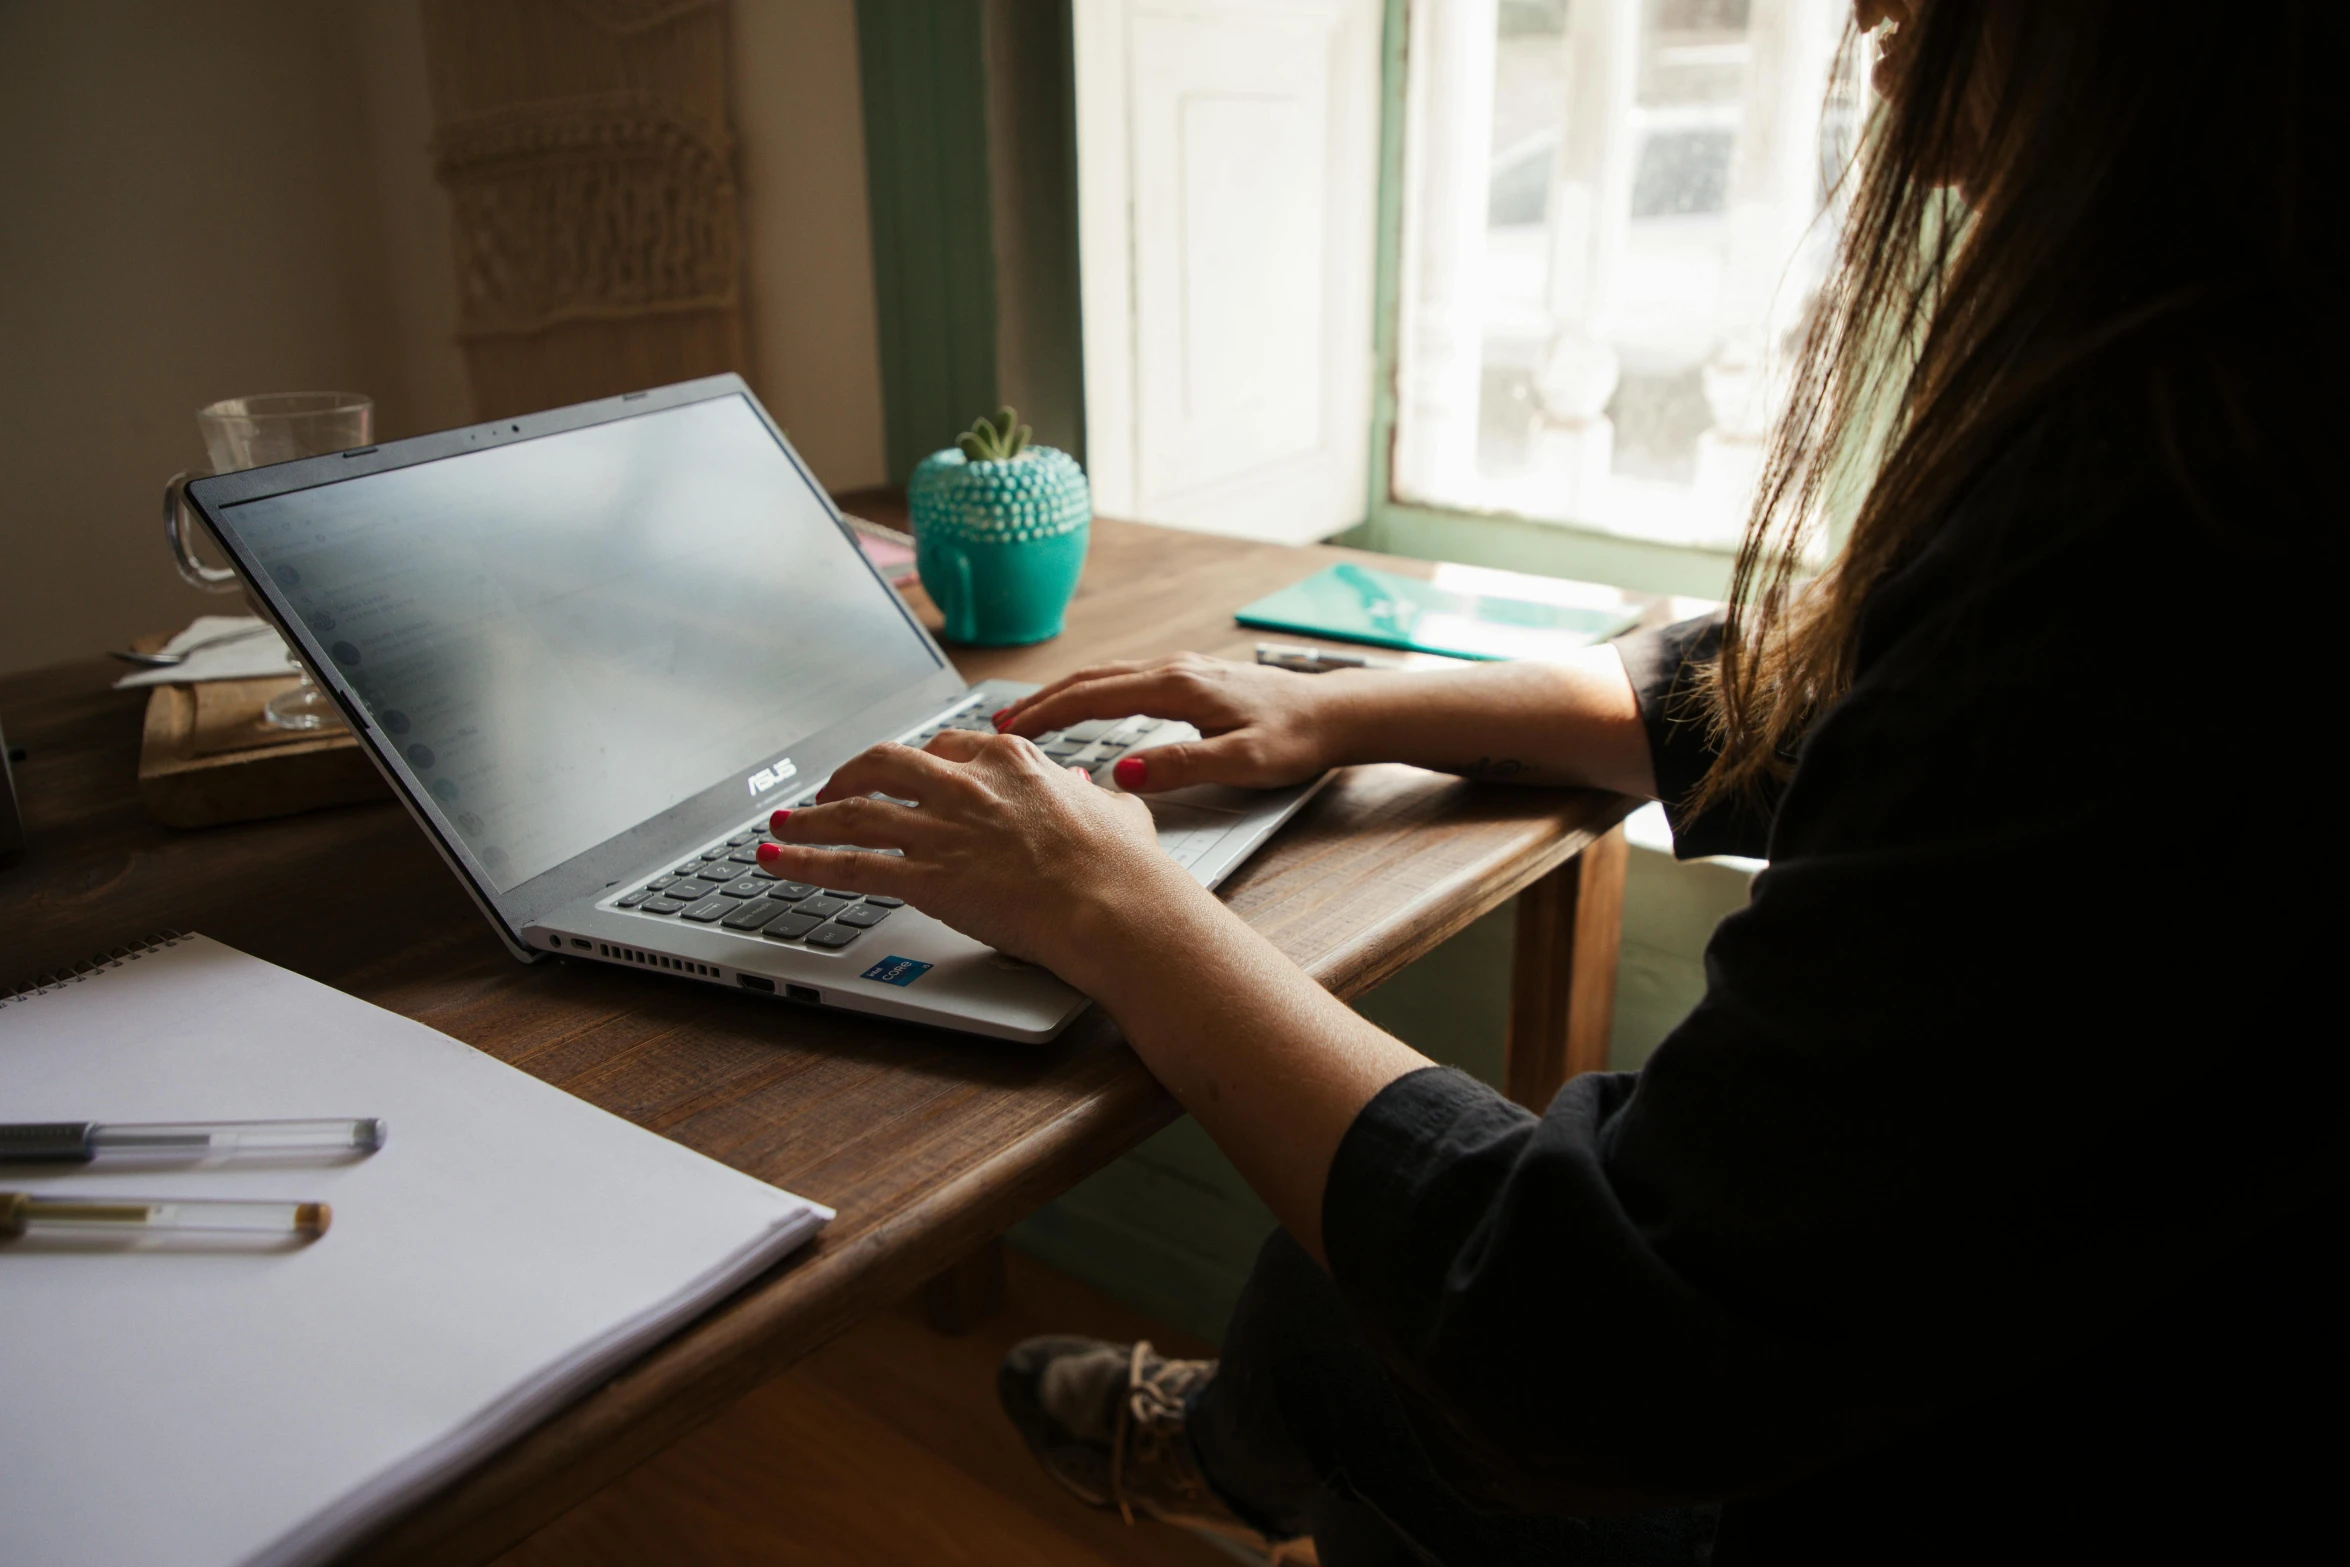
x=1612 y=228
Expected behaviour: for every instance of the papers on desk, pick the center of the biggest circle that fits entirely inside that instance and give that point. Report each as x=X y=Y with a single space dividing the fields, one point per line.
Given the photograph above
x=508 y=1247
x=254 y=657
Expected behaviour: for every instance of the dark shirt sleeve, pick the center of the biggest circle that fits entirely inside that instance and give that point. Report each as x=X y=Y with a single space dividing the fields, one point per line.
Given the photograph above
x=1567 y=1358
x=1948 y=1108
x=1663 y=666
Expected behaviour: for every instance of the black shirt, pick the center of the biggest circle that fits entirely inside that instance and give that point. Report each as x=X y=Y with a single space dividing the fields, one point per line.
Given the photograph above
x=1990 y=1192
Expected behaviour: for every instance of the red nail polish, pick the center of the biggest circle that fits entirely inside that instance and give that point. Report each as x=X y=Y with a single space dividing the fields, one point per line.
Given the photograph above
x=997 y=718
x=776 y=821
x=1129 y=771
x=769 y=853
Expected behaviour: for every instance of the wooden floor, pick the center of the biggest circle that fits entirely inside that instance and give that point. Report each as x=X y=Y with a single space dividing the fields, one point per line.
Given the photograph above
x=884 y=1448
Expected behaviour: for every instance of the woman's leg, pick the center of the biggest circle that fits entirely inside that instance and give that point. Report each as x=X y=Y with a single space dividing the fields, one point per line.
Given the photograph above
x=1297 y=1431
x=1301 y=1431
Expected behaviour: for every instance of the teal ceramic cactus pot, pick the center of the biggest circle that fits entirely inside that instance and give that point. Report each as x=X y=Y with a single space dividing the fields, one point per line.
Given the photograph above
x=999 y=544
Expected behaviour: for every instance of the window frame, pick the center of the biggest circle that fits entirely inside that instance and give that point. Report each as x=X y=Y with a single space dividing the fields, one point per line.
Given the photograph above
x=1408 y=527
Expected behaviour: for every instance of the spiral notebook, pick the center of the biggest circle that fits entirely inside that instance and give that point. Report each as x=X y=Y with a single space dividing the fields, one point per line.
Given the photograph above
x=509 y=1247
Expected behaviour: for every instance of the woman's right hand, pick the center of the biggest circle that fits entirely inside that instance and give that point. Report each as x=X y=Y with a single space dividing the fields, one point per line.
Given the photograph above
x=1260 y=727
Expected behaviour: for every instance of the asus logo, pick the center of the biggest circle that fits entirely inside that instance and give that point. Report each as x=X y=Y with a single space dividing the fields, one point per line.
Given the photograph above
x=767 y=778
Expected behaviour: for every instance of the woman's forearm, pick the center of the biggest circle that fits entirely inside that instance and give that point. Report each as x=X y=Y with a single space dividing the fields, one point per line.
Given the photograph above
x=1273 y=1066
x=1008 y=847
x=1565 y=723
x=1575 y=722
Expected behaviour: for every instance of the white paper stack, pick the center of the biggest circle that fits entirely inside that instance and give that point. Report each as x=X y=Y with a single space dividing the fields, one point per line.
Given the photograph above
x=220 y=647
x=508 y=1247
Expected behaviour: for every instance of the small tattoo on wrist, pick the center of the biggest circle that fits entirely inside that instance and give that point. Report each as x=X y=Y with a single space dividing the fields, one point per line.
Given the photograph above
x=1497 y=768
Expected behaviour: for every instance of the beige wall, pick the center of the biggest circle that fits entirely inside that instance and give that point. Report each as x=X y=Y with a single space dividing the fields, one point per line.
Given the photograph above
x=191 y=212
x=799 y=120
x=200 y=198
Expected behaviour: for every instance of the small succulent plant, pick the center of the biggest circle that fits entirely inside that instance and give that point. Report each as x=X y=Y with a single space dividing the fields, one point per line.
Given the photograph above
x=1000 y=529
x=995 y=440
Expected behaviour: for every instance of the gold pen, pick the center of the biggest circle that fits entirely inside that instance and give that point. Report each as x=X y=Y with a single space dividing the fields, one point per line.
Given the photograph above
x=35 y=1213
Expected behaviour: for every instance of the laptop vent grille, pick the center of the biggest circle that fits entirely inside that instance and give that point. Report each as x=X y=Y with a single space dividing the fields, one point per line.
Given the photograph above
x=654 y=960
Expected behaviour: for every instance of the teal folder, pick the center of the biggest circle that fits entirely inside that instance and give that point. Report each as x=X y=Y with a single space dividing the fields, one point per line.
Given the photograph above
x=1351 y=603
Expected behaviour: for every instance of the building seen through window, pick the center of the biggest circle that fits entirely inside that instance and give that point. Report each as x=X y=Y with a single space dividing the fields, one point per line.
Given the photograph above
x=1613 y=226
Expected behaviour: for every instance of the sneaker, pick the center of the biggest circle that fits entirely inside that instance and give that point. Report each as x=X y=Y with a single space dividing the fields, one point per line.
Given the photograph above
x=1106 y=1421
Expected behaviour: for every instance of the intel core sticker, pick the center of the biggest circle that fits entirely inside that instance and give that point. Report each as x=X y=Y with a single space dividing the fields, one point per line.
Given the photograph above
x=896 y=971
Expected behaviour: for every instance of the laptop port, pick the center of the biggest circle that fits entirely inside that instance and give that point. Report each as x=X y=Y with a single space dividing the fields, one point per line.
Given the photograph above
x=808 y=993
x=755 y=982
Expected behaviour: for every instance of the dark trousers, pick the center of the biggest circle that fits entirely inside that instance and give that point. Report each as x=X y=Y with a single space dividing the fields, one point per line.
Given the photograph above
x=1302 y=1432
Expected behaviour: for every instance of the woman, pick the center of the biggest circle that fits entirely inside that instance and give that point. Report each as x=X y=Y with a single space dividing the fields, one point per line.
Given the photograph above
x=1979 y=1209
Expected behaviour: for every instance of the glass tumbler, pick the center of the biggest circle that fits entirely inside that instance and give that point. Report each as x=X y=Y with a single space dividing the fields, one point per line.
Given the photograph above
x=251 y=432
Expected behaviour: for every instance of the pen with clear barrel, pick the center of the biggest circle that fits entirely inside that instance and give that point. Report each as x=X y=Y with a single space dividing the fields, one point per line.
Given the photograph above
x=42 y=1213
x=80 y=1142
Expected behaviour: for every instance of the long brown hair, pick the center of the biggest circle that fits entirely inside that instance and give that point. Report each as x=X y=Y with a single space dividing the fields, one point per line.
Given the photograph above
x=2155 y=190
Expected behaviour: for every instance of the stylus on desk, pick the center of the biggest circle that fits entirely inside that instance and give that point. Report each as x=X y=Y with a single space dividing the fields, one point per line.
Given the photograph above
x=79 y=1142
x=1318 y=660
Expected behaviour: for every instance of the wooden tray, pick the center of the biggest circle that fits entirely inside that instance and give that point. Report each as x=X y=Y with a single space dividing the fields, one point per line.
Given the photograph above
x=206 y=758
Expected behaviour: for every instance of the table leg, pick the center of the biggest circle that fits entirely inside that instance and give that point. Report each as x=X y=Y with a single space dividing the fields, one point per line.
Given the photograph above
x=1563 y=972
x=967 y=1294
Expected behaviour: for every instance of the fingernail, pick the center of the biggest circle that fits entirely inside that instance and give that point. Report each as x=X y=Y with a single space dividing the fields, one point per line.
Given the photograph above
x=997 y=717
x=775 y=822
x=1129 y=771
x=769 y=853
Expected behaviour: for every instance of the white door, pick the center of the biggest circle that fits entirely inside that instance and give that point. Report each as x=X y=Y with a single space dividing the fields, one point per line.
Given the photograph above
x=1227 y=177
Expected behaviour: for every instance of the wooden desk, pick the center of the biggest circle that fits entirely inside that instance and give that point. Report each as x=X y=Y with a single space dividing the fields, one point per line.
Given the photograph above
x=930 y=1144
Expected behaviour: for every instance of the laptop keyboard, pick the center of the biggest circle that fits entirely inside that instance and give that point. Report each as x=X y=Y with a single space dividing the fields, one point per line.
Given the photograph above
x=723 y=886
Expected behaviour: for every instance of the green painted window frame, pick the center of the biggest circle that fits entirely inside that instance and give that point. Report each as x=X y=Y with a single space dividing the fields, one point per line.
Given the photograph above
x=1479 y=538
x=971 y=184
x=923 y=77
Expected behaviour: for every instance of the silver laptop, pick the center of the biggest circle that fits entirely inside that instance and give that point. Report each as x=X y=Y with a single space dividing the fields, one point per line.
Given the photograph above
x=591 y=649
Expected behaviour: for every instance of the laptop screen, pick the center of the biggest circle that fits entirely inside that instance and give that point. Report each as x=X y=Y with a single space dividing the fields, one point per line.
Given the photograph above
x=565 y=636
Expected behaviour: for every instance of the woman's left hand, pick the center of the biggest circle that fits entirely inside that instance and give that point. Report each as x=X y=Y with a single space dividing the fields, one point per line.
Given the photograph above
x=1002 y=844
